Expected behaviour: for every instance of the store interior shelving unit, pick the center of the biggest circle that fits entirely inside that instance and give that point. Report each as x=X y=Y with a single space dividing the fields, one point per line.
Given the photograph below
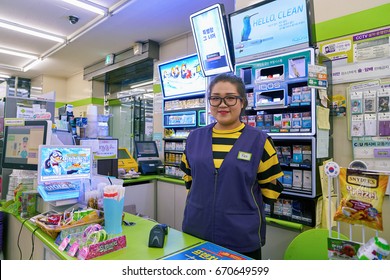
x=180 y=117
x=283 y=105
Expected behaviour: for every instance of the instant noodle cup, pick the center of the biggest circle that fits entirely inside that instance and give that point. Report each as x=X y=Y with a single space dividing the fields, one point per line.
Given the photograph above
x=362 y=194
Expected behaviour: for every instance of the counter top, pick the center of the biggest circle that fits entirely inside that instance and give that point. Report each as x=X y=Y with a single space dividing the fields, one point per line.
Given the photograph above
x=137 y=238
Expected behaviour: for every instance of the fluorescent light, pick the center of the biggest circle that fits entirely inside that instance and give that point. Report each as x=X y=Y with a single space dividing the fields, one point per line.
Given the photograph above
x=87 y=5
x=21 y=54
x=141 y=84
x=10 y=67
x=5 y=76
x=30 y=31
x=31 y=65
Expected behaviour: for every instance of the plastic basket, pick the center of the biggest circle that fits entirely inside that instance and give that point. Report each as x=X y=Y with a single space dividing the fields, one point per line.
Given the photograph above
x=53 y=230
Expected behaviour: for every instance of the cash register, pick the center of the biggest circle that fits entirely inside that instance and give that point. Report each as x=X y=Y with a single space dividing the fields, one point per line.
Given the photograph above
x=147 y=157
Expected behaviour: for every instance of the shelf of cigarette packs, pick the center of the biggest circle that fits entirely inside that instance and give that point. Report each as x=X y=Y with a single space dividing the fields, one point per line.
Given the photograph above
x=292 y=129
x=294 y=116
x=174 y=145
x=294 y=209
x=299 y=164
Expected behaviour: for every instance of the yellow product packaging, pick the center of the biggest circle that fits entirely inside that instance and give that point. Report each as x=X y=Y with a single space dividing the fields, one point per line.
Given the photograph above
x=362 y=194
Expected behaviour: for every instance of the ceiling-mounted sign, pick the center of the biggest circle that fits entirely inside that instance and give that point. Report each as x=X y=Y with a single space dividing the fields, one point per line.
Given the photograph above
x=109 y=59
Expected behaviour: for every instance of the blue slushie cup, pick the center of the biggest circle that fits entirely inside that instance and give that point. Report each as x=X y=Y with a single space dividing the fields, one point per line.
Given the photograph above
x=113 y=210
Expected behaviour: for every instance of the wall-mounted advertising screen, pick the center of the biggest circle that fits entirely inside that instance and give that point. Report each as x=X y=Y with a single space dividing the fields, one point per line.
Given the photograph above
x=269 y=28
x=182 y=78
x=210 y=34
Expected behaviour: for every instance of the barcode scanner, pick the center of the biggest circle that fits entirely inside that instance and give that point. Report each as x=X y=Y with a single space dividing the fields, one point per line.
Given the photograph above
x=157 y=235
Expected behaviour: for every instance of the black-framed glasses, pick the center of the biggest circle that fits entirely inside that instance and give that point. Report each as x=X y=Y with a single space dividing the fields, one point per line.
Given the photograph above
x=229 y=100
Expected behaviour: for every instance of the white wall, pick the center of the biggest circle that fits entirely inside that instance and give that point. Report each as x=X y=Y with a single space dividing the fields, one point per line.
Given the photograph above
x=55 y=84
x=78 y=88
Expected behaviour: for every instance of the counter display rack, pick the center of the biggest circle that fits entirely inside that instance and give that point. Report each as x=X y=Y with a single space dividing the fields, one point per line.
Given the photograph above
x=180 y=116
x=284 y=106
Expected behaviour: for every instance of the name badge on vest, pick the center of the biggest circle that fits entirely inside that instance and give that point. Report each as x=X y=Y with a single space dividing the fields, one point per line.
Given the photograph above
x=244 y=156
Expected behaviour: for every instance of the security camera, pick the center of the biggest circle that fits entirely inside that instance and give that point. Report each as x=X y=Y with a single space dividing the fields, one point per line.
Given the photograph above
x=73 y=19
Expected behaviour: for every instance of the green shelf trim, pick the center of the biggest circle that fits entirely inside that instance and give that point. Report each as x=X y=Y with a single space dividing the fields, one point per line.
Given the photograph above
x=114 y=102
x=171 y=180
x=156 y=88
x=353 y=23
x=286 y=224
x=82 y=102
x=141 y=179
x=59 y=104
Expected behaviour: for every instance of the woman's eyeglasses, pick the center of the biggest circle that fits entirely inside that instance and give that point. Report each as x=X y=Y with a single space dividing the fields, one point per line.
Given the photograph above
x=229 y=100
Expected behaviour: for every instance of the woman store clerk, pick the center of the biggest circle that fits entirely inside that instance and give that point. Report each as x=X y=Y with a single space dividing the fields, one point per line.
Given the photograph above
x=230 y=171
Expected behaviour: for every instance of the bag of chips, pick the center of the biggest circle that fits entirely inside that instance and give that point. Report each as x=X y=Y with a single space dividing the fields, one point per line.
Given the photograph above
x=362 y=194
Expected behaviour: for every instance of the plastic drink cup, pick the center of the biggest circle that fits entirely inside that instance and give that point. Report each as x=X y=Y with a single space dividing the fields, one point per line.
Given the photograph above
x=113 y=210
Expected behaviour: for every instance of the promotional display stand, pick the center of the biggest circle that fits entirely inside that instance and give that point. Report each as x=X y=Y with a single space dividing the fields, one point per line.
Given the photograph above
x=360 y=205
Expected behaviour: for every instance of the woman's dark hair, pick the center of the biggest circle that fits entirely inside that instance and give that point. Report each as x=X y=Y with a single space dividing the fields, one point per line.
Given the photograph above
x=233 y=79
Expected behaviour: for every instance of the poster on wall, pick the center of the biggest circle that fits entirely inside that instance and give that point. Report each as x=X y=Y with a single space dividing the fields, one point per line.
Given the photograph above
x=359 y=47
x=358 y=57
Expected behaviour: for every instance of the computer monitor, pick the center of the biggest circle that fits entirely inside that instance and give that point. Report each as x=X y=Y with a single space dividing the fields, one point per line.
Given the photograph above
x=146 y=150
x=65 y=137
x=21 y=143
x=64 y=163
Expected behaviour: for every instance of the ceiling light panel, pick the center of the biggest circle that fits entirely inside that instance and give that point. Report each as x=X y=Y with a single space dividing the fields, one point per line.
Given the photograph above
x=5 y=76
x=89 y=6
x=30 y=31
x=14 y=61
x=16 y=53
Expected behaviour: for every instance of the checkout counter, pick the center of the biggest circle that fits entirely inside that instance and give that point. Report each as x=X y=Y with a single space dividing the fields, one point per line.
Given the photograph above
x=137 y=236
x=151 y=191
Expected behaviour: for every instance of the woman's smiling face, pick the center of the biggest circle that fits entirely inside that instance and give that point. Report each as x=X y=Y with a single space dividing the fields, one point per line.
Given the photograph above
x=228 y=117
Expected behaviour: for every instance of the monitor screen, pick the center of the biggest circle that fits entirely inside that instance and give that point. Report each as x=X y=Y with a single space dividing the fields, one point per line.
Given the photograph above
x=21 y=143
x=202 y=117
x=64 y=163
x=123 y=153
x=269 y=28
x=210 y=34
x=144 y=149
x=65 y=137
x=182 y=77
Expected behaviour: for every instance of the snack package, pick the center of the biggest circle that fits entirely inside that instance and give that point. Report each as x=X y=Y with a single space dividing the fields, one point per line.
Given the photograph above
x=362 y=194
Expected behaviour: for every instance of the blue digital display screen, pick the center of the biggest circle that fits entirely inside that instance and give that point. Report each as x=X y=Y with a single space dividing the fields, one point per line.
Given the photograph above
x=182 y=78
x=269 y=28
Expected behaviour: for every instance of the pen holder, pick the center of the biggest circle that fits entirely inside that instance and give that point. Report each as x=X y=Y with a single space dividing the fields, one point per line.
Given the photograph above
x=113 y=210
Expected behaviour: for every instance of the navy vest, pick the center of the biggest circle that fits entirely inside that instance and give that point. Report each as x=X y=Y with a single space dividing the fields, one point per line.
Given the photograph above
x=225 y=206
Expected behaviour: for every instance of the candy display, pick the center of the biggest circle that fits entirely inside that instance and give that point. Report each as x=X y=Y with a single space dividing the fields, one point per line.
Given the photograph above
x=89 y=242
x=53 y=222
